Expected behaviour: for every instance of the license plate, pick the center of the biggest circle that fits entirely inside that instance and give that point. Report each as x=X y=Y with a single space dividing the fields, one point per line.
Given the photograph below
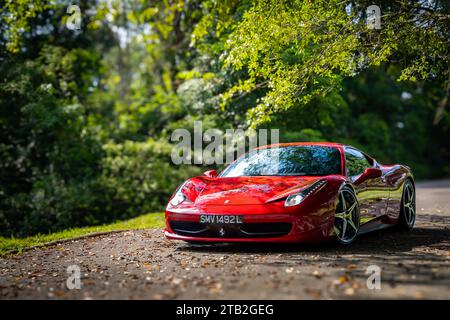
x=221 y=219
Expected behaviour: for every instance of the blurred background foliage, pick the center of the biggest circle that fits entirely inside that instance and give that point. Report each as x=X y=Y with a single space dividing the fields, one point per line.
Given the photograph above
x=86 y=115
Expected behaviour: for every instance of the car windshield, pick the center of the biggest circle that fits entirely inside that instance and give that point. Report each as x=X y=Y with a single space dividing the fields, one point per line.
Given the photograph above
x=287 y=161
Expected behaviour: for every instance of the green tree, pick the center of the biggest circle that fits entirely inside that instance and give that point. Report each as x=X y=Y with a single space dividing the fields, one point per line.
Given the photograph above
x=292 y=51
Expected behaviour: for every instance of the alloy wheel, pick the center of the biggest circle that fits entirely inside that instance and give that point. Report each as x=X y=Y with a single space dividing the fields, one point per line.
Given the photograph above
x=409 y=204
x=346 y=218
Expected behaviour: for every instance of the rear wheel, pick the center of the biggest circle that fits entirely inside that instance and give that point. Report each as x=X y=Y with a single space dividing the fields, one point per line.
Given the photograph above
x=408 y=207
x=346 y=218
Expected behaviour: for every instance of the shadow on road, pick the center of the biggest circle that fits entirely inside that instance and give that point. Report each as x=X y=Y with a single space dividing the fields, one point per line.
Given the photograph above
x=378 y=242
x=396 y=252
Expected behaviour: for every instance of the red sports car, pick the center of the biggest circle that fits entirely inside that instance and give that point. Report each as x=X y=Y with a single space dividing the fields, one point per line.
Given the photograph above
x=293 y=192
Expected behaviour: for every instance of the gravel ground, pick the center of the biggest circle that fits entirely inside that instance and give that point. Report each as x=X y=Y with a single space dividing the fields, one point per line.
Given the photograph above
x=144 y=265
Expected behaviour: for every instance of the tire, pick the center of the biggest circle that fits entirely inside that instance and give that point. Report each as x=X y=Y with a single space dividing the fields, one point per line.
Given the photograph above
x=346 y=217
x=407 y=215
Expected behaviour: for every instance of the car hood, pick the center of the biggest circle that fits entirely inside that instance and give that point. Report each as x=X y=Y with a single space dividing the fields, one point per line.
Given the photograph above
x=250 y=190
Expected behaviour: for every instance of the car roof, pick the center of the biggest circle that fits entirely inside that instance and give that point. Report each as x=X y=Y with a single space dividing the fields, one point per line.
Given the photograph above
x=323 y=144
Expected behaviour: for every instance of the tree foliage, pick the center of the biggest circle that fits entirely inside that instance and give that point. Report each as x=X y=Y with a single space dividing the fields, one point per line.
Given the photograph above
x=293 y=51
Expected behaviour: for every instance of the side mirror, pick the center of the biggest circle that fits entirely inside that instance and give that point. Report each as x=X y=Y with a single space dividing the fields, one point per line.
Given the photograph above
x=211 y=173
x=369 y=173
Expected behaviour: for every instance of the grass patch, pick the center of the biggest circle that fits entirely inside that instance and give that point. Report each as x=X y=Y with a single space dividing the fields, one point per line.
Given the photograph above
x=151 y=220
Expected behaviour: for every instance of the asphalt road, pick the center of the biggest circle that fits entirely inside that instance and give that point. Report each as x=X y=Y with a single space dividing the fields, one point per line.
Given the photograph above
x=144 y=265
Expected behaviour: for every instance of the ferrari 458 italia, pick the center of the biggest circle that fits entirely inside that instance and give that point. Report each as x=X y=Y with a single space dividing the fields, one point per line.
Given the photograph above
x=295 y=192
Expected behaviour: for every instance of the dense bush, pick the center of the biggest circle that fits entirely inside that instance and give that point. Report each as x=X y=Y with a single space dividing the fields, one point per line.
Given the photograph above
x=139 y=177
x=132 y=178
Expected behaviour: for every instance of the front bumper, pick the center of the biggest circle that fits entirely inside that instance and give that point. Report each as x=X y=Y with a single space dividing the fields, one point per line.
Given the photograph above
x=261 y=227
x=241 y=230
x=313 y=236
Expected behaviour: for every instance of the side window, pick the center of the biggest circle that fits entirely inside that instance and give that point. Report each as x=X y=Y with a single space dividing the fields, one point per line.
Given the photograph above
x=356 y=162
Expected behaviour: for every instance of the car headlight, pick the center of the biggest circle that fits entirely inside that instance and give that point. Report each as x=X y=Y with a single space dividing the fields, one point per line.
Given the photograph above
x=179 y=198
x=297 y=198
x=294 y=199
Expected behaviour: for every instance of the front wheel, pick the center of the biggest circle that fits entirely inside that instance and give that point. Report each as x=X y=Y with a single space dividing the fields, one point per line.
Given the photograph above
x=408 y=207
x=346 y=218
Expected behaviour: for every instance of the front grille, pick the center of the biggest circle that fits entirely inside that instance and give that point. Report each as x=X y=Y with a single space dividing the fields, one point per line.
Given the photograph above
x=244 y=230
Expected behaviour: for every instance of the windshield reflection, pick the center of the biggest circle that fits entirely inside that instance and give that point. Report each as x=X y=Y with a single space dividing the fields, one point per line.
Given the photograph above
x=287 y=161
